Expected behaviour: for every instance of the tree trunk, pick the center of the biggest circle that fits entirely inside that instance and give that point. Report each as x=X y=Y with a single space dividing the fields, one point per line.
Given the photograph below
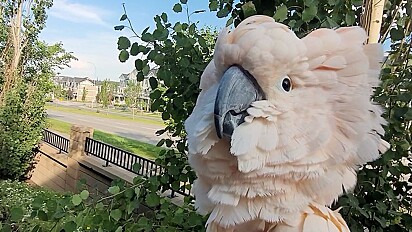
x=372 y=19
x=16 y=40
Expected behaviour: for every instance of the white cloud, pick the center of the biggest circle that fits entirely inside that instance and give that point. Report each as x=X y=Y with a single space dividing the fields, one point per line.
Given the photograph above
x=78 y=13
x=96 y=58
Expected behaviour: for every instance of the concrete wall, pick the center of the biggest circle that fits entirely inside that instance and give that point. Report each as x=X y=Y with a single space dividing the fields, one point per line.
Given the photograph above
x=63 y=172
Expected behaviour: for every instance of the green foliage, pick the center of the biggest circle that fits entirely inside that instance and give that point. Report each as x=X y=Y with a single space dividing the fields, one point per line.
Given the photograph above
x=17 y=202
x=381 y=200
x=301 y=16
x=84 y=94
x=181 y=52
x=21 y=122
x=124 y=208
x=132 y=94
x=22 y=116
x=23 y=88
x=105 y=94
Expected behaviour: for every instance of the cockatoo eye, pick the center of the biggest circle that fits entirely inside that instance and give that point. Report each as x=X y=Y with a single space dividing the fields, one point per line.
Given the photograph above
x=286 y=84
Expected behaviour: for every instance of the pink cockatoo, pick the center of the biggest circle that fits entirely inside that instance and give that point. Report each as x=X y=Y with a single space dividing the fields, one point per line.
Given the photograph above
x=281 y=126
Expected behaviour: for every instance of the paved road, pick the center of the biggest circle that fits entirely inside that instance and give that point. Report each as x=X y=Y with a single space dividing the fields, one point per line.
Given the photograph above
x=135 y=130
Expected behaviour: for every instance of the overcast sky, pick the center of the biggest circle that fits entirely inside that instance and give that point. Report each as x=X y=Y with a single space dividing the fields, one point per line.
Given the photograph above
x=86 y=29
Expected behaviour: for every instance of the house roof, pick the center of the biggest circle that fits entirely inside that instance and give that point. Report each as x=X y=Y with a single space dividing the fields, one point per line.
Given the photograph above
x=123 y=76
x=62 y=79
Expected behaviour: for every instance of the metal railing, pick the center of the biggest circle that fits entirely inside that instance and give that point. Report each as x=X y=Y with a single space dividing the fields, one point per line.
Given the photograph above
x=121 y=158
x=56 y=141
x=127 y=161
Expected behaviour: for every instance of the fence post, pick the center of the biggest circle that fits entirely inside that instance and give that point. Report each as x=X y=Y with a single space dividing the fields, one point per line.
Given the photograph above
x=78 y=135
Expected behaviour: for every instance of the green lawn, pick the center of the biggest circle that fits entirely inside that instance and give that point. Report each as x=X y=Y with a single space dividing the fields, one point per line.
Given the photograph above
x=150 y=119
x=139 y=148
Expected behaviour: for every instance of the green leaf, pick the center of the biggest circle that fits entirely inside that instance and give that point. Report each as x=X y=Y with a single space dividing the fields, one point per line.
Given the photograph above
x=116 y=214
x=350 y=18
x=192 y=29
x=155 y=94
x=152 y=200
x=177 y=8
x=213 y=5
x=42 y=215
x=124 y=17
x=136 y=167
x=16 y=214
x=160 y=34
x=183 y=1
x=97 y=219
x=145 y=30
x=308 y=2
x=153 y=82
x=84 y=194
x=147 y=37
x=76 y=199
x=114 y=190
x=99 y=206
x=309 y=13
x=123 y=43
x=123 y=56
x=119 y=229
x=37 y=202
x=138 y=64
x=222 y=13
x=70 y=226
x=281 y=13
x=146 y=70
x=144 y=223
x=140 y=76
x=165 y=116
x=177 y=27
x=331 y=22
x=135 y=49
x=7 y=228
x=59 y=215
x=164 y=17
x=229 y=21
x=119 y=27
x=248 y=9
x=131 y=206
x=408 y=114
x=184 y=62
x=397 y=34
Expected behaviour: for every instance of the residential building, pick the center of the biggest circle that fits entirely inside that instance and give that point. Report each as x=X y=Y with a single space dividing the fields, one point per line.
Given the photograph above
x=76 y=86
x=145 y=84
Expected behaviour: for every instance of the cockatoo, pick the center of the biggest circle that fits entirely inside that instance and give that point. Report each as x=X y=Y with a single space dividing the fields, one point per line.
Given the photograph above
x=281 y=126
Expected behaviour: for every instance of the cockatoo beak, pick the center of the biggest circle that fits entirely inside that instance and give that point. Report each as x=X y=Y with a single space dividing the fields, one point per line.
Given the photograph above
x=236 y=92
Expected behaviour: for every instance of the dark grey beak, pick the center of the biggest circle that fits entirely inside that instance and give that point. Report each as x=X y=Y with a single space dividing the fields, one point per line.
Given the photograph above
x=236 y=91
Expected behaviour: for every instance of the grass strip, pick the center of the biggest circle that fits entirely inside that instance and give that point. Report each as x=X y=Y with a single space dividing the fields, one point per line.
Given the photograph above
x=139 y=148
x=96 y=113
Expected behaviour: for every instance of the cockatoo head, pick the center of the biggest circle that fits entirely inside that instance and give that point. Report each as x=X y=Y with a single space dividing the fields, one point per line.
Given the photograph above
x=258 y=65
x=284 y=119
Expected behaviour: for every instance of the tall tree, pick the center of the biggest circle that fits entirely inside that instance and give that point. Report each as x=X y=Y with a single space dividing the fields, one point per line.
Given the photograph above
x=27 y=66
x=84 y=94
x=132 y=94
x=105 y=93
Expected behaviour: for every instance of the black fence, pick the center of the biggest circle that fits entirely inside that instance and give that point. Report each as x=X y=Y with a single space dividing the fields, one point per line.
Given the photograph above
x=121 y=158
x=56 y=141
x=116 y=156
x=128 y=161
